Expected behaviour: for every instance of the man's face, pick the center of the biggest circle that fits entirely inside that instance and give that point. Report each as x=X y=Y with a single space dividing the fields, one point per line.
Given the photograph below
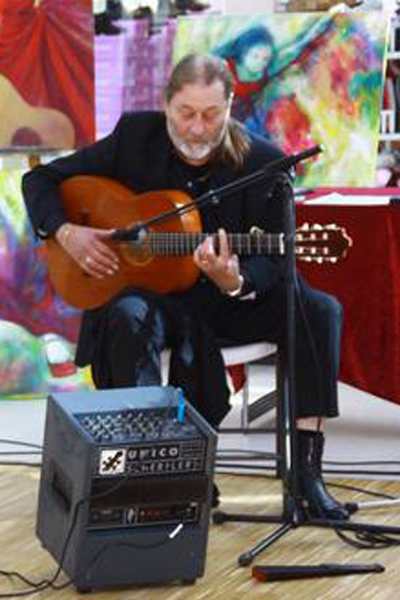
x=196 y=119
x=256 y=58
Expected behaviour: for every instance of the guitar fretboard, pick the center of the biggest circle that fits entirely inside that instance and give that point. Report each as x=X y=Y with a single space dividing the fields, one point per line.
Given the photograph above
x=180 y=244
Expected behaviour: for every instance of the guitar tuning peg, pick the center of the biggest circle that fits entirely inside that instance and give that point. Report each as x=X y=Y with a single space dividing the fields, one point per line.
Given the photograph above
x=305 y=226
x=256 y=230
x=332 y=226
x=333 y=259
x=317 y=226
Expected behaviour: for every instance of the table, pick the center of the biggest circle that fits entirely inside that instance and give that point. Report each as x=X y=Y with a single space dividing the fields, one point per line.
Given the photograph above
x=367 y=283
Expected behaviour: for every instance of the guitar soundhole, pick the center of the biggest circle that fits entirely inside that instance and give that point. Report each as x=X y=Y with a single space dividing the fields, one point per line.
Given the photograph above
x=136 y=253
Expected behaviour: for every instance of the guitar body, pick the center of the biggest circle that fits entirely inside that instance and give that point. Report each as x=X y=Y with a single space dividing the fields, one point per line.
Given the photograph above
x=103 y=203
x=161 y=259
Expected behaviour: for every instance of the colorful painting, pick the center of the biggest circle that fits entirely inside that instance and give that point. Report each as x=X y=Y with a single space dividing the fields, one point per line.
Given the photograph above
x=304 y=79
x=38 y=331
x=46 y=74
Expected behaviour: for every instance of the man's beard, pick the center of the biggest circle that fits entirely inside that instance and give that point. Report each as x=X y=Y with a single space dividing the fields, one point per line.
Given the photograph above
x=195 y=150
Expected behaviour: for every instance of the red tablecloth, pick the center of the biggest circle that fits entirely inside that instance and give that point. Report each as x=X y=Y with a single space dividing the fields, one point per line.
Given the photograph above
x=367 y=282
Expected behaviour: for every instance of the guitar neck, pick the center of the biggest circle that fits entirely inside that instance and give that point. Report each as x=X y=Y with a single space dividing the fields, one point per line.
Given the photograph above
x=243 y=244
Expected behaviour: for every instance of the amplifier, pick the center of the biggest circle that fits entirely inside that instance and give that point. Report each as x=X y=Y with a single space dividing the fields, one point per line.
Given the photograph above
x=126 y=486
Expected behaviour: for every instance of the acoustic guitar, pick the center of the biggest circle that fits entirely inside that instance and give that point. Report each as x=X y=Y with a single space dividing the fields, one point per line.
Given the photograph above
x=160 y=259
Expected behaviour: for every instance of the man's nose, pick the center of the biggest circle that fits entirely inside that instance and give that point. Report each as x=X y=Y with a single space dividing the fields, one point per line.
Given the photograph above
x=197 y=126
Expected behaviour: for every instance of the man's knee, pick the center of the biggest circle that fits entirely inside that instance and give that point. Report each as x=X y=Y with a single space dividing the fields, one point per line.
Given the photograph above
x=333 y=307
x=325 y=306
x=128 y=313
x=134 y=315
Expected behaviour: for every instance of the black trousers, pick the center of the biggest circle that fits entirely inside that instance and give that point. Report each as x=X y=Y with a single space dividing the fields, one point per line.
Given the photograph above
x=137 y=326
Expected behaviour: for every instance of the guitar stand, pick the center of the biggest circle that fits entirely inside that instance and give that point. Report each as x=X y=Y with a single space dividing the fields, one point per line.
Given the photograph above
x=293 y=514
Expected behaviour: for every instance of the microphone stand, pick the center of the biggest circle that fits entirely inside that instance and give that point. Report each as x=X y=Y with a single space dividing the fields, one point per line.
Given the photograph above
x=281 y=164
x=292 y=514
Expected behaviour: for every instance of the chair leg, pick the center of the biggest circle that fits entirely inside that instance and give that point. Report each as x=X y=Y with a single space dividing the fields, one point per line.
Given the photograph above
x=244 y=415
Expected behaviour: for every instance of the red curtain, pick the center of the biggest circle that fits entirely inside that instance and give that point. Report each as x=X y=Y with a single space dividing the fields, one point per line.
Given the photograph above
x=46 y=52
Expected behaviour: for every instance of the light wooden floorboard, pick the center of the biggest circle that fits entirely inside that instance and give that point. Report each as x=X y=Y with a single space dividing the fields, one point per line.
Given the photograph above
x=22 y=552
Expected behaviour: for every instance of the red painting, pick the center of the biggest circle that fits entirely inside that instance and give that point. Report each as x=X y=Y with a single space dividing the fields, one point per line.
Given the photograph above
x=46 y=73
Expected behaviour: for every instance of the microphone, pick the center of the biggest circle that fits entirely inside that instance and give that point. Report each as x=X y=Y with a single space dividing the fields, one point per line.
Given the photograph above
x=280 y=573
x=283 y=164
x=137 y=233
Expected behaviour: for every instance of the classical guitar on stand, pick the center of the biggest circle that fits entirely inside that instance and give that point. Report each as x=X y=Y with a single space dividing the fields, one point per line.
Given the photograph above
x=160 y=259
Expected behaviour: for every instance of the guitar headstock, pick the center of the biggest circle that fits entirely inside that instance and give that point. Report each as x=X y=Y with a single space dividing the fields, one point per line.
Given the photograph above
x=321 y=243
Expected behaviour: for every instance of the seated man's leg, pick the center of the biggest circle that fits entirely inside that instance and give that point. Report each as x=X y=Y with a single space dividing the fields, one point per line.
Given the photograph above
x=317 y=352
x=128 y=350
x=318 y=335
x=131 y=333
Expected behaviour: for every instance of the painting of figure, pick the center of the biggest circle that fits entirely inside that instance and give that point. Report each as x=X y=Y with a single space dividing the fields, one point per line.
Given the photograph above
x=304 y=79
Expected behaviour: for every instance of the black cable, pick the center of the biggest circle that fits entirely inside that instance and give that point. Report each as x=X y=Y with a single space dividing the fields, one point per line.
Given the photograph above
x=241 y=451
x=361 y=462
x=362 y=490
x=328 y=484
x=364 y=539
x=46 y=583
x=368 y=540
x=326 y=471
x=225 y=465
x=19 y=464
x=50 y=583
x=367 y=472
x=19 y=443
x=267 y=455
x=20 y=452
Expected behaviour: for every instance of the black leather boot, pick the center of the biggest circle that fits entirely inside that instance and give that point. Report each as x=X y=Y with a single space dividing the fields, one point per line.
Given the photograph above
x=320 y=503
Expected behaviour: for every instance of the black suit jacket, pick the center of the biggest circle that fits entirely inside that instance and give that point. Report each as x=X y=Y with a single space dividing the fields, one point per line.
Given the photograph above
x=139 y=154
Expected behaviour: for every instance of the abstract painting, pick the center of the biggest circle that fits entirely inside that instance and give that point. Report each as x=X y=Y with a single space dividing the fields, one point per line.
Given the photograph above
x=38 y=330
x=304 y=79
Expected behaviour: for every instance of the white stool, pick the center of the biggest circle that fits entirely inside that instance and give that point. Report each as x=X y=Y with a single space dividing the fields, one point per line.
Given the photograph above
x=243 y=354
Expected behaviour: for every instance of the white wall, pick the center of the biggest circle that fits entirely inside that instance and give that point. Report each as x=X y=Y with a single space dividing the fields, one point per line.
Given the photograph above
x=250 y=7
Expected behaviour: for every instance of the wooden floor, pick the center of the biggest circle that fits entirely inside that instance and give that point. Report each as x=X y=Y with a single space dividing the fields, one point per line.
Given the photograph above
x=223 y=579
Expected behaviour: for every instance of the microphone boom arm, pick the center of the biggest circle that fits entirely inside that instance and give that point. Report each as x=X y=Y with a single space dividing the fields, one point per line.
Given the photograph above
x=280 y=164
